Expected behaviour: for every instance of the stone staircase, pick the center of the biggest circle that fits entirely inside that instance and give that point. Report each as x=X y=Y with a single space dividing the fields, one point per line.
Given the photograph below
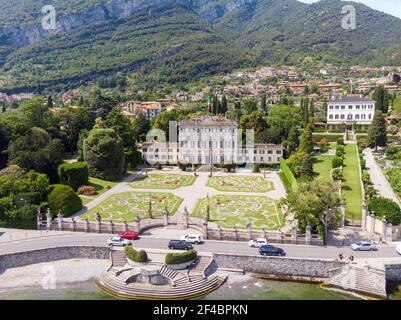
x=362 y=279
x=197 y=287
x=118 y=258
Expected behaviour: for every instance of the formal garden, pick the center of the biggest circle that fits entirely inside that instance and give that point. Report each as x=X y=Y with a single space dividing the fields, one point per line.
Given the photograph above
x=163 y=181
x=228 y=211
x=240 y=184
x=127 y=206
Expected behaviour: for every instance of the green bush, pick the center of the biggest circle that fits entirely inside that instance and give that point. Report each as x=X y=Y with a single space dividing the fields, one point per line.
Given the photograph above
x=337 y=162
x=74 y=174
x=387 y=208
x=63 y=198
x=19 y=218
x=5 y=204
x=289 y=176
x=340 y=151
x=394 y=177
x=178 y=258
x=340 y=141
x=136 y=256
x=23 y=199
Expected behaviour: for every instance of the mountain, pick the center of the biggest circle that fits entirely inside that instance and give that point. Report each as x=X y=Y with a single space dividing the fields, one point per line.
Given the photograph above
x=157 y=42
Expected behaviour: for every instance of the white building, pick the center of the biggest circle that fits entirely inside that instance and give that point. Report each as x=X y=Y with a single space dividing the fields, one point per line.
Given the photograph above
x=206 y=140
x=350 y=110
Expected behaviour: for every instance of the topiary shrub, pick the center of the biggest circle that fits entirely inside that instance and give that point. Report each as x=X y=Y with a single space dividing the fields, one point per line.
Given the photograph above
x=178 y=258
x=337 y=162
x=340 y=151
x=340 y=141
x=28 y=198
x=74 y=174
x=383 y=207
x=136 y=256
x=63 y=198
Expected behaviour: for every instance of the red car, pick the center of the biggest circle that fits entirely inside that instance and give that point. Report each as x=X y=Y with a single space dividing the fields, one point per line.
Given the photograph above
x=129 y=235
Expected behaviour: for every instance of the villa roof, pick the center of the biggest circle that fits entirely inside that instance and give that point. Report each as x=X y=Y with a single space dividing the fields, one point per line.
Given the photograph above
x=351 y=99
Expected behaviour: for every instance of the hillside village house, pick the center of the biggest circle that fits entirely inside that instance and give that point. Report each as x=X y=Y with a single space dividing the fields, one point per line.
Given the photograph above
x=131 y=109
x=350 y=110
x=206 y=140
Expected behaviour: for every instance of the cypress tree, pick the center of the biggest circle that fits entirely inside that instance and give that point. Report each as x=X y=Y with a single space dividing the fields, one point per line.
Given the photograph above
x=263 y=104
x=49 y=102
x=377 y=135
x=224 y=106
x=306 y=143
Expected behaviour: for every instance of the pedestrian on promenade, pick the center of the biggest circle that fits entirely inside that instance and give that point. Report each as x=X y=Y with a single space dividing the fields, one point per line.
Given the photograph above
x=341 y=257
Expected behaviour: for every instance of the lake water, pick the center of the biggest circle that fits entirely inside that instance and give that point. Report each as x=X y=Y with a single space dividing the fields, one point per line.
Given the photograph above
x=244 y=288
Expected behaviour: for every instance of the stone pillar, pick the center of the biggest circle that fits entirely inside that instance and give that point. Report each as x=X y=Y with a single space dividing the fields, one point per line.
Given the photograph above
x=98 y=223
x=74 y=225
x=165 y=217
x=220 y=231
x=185 y=218
x=49 y=220
x=249 y=226
x=111 y=226
x=389 y=233
x=372 y=224
x=279 y=236
x=264 y=233
x=294 y=235
x=384 y=229
x=138 y=224
x=364 y=214
x=205 y=229
x=87 y=226
x=308 y=235
x=39 y=219
x=126 y=226
x=236 y=233
x=60 y=221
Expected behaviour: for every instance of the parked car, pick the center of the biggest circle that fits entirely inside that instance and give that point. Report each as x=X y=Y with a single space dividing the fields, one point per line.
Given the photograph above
x=129 y=235
x=398 y=248
x=257 y=243
x=119 y=242
x=180 y=245
x=363 y=246
x=269 y=250
x=192 y=238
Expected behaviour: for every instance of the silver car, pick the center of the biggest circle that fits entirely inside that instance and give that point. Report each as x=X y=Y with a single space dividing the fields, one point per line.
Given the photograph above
x=119 y=242
x=363 y=246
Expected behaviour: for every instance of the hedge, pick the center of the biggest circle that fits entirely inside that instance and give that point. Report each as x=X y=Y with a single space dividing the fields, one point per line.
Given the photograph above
x=340 y=151
x=383 y=207
x=63 y=198
x=136 y=256
x=28 y=198
x=288 y=176
x=337 y=162
x=178 y=258
x=330 y=137
x=74 y=174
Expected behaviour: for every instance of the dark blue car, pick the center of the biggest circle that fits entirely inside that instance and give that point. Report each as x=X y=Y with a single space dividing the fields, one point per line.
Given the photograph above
x=269 y=250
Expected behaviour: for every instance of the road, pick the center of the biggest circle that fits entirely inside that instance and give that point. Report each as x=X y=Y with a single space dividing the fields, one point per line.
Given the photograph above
x=149 y=242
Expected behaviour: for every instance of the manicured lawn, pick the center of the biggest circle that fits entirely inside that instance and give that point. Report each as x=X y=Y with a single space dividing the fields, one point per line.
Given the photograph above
x=101 y=186
x=322 y=167
x=126 y=206
x=228 y=211
x=86 y=200
x=352 y=190
x=240 y=184
x=163 y=181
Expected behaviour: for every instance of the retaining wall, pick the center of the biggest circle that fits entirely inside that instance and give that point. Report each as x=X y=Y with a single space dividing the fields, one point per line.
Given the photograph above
x=21 y=259
x=393 y=272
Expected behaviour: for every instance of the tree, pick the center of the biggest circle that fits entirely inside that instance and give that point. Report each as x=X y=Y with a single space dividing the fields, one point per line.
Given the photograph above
x=307 y=167
x=280 y=120
x=315 y=204
x=37 y=151
x=140 y=126
x=377 y=135
x=62 y=198
x=250 y=105
x=292 y=141
x=49 y=102
x=104 y=153
x=306 y=141
x=237 y=105
x=255 y=121
x=263 y=103
x=224 y=105
x=99 y=106
x=382 y=98
x=122 y=126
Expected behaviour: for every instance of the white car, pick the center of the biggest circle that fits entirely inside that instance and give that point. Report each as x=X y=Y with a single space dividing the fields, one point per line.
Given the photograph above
x=119 y=242
x=257 y=243
x=398 y=248
x=363 y=246
x=192 y=238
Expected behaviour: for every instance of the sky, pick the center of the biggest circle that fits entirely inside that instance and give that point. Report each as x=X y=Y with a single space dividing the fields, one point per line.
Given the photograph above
x=389 y=6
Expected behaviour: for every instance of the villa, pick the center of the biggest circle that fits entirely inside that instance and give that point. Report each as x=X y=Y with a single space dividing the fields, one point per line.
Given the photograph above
x=206 y=140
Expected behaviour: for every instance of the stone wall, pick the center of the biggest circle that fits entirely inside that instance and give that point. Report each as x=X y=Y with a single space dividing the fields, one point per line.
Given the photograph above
x=288 y=267
x=393 y=272
x=21 y=259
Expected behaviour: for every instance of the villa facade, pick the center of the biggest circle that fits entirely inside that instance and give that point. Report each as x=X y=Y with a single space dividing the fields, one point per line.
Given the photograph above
x=350 y=110
x=211 y=140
